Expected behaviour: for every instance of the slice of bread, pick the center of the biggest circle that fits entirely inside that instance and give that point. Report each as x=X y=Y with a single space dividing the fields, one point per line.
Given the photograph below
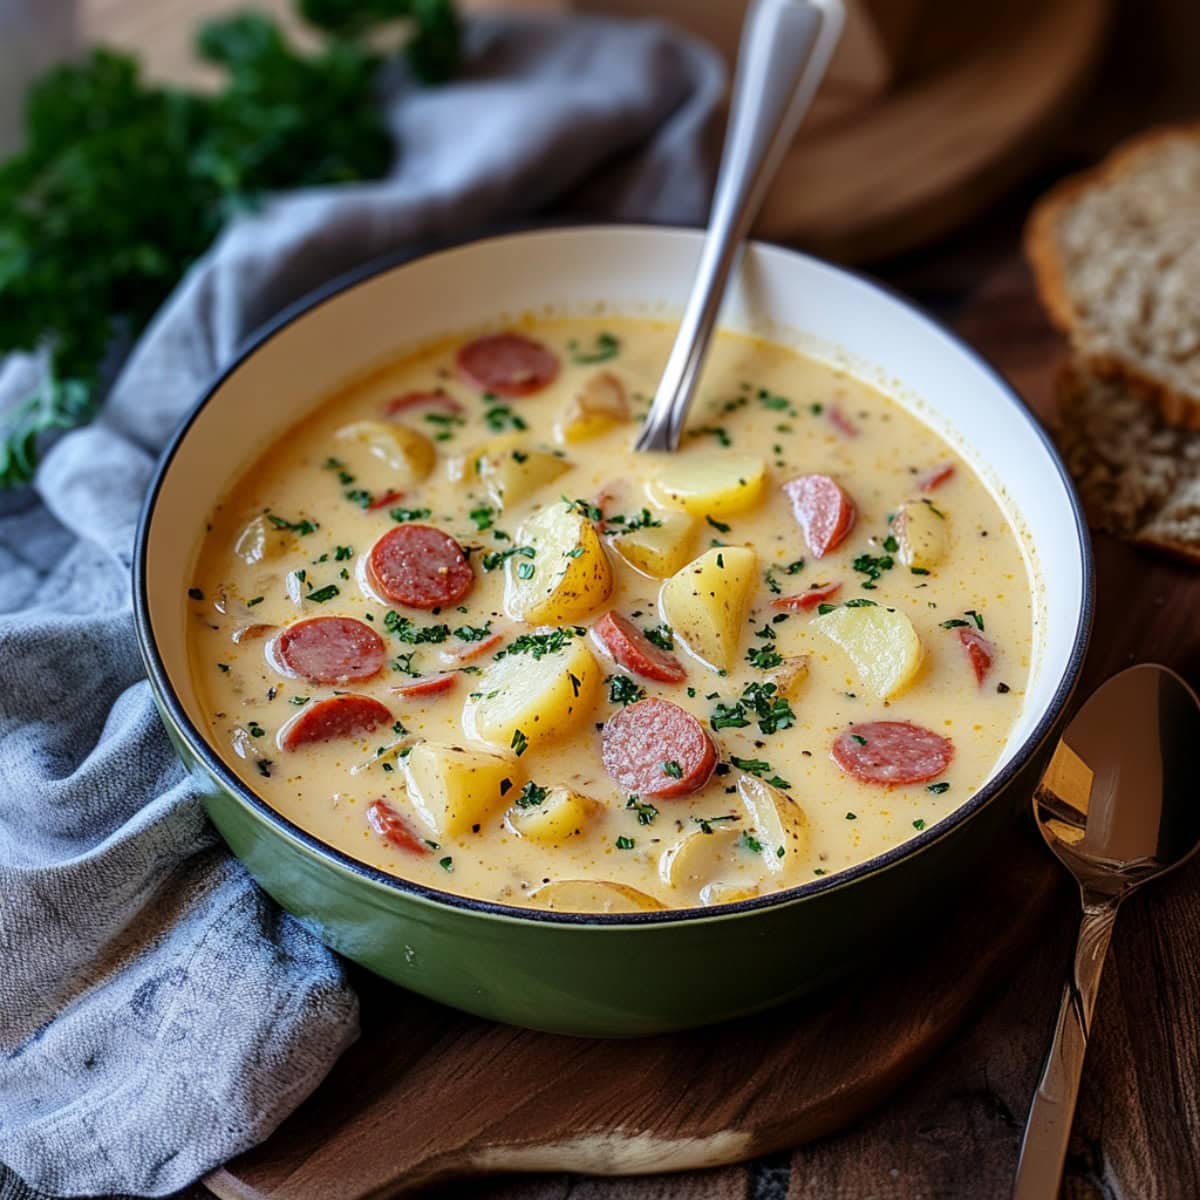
x=1138 y=476
x=1116 y=256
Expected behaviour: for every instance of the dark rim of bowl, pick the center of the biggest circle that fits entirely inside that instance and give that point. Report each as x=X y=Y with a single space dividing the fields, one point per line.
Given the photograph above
x=200 y=746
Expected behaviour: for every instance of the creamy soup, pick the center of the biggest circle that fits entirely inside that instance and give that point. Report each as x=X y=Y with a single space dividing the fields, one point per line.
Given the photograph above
x=453 y=626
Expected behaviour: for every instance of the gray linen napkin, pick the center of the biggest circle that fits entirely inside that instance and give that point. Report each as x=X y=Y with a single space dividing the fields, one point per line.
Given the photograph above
x=158 y=1013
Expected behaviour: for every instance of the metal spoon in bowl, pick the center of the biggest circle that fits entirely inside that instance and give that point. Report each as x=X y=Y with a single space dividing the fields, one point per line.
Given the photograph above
x=785 y=50
x=1118 y=806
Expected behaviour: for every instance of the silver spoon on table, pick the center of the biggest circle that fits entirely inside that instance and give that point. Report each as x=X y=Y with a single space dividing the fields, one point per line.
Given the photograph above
x=785 y=50
x=1119 y=806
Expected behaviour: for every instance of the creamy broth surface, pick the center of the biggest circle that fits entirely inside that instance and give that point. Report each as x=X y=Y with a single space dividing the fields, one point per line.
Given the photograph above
x=290 y=542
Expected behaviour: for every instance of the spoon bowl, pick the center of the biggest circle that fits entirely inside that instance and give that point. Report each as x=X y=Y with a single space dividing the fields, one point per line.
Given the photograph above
x=1118 y=806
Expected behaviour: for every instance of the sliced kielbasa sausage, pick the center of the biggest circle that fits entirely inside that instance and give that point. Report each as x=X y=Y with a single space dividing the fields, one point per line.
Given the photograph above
x=427 y=685
x=338 y=717
x=328 y=650
x=655 y=748
x=508 y=364
x=632 y=649
x=891 y=752
x=808 y=600
x=979 y=651
x=392 y=827
x=823 y=510
x=435 y=398
x=420 y=567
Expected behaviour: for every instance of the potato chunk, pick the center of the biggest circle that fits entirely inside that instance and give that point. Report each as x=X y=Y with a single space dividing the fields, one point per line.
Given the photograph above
x=593 y=895
x=409 y=454
x=711 y=866
x=511 y=470
x=453 y=788
x=880 y=642
x=658 y=550
x=568 y=575
x=549 y=816
x=599 y=405
x=713 y=485
x=775 y=823
x=922 y=530
x=258 y=541
x=538 y=698
x=705 y=603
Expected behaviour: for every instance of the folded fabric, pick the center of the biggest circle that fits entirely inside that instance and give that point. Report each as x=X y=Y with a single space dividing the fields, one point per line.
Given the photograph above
x=158 y=1014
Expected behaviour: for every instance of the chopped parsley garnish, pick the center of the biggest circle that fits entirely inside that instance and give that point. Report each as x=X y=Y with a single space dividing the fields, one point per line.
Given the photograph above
x=762 y=700
x=532 y=795
x=661 y=636
x=759 y=767
x=223 y=668
x=322 y=594
x=447 y=863
x=625 y=843
x=342 y=553
x=403 y=664
x=407 y=631
x=861 y=602
x=519 y=743
x=401 y=515
x=765 y=658
x=645 y=812
x=706 y=823
x=303 y=527
x=540 y=644
x=497 y=558
x=297 y=700
x=751 y=843
x=256 y=730
x=890 y=544
x=956 y=623
x=858 y=737
x=918 y=824
x=359 y=496
x=484 y=517
x=873 y=567
x=717 y=431
x=719 y=526
x=619 y=523
x=264 y=766
x=500 y=415
x=622 y=689
x=585 y=508
x=672 y=768
x=525 y=570
x=605 y=348
x=976 y=618
x=937 y=788
x=256 y=600
x=195 y=593
x=473 y=633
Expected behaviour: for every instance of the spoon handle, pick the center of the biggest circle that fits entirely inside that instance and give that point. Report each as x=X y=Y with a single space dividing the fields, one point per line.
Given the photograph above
x=786 y=47
x=1048 y=1129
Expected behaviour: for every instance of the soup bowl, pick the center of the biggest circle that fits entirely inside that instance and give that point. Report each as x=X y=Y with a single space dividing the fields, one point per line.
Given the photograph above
x=612 y=974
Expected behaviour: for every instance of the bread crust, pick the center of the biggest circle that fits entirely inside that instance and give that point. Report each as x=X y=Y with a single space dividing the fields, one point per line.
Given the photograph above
x=1041 y=247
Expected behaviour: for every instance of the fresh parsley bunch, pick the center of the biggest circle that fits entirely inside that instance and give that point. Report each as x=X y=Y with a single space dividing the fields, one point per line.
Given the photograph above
x=123 y=184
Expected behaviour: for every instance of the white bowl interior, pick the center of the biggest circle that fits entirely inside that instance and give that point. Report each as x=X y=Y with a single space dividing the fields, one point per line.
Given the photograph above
x=777 y=293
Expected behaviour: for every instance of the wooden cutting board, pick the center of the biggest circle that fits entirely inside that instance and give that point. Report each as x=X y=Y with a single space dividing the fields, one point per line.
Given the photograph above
x=429 y=1094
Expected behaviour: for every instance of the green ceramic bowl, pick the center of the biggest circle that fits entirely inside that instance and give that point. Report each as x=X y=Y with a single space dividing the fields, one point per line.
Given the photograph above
x=611 y=975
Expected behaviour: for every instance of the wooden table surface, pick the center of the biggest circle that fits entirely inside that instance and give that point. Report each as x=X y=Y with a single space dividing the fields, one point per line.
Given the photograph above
x=954 y=1131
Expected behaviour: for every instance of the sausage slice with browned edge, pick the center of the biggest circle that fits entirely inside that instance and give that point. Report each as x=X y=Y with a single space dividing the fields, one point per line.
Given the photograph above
x=891 y=752
x=338 y=717
x=979 y=651
x=823 y=510
x=328 y=650
x=804 y=601
x=392 y=827
x=508 y=364
x=654 y=748
x=419 y=567
x=632 y=649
